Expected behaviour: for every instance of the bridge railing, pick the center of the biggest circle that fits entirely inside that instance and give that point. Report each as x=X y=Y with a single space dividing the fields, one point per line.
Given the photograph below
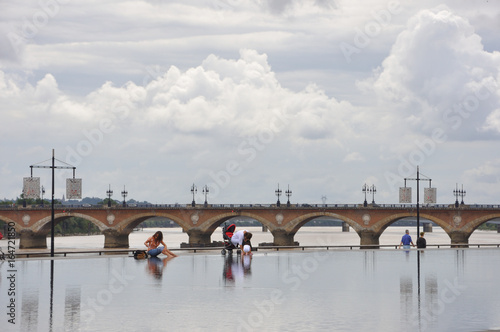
x=256 y=206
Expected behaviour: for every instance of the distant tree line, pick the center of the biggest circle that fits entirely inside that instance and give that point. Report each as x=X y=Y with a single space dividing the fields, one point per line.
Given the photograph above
x=76 y=226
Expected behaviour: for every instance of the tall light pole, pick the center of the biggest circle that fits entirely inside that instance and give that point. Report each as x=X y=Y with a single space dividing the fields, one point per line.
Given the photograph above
x=278 y=193
x=288 y=193
x=373 y=190
x=365 y=189
x=205 y=192
x=194 y=190
x=458 y=193
x=43 y=192
x=124 y=194
x=418 y=179
x=109 y=192
x=53 y=167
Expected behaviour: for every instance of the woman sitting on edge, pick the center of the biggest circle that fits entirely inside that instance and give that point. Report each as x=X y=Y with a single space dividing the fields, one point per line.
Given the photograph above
x=153 y=245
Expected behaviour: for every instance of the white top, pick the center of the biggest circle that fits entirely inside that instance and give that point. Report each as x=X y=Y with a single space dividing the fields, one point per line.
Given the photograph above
x=237 y=238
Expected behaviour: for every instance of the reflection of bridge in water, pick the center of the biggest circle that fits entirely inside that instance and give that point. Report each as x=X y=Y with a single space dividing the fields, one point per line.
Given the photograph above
x=33 y=224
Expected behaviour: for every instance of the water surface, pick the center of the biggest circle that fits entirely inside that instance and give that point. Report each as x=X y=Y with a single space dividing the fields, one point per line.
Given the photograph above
x=335 y=290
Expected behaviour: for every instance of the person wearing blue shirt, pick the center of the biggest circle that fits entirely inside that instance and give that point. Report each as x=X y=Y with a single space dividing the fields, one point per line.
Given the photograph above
x=406 y=240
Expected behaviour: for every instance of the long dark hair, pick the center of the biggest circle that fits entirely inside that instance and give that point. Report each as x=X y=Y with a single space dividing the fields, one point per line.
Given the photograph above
x=158 y=236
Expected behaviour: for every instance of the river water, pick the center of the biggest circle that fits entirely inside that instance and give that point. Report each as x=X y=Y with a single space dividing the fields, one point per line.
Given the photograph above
x=312 y=290
x=306 y=236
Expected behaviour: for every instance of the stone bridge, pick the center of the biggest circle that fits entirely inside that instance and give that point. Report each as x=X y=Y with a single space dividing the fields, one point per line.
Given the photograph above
x=33 y=224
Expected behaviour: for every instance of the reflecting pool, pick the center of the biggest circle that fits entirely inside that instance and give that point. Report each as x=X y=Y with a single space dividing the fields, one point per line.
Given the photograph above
x=335 y=290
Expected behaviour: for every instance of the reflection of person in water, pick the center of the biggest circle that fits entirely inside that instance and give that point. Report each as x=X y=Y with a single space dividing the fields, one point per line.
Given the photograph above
x=227 y=273
x=157 y=265
x=246 y=261
x=237 y=268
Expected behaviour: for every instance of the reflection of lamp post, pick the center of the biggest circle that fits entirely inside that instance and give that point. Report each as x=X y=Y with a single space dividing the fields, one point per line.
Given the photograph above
x=278 y=193
x=288 y=193
x=460 y=193
x=109 y=192
x=365 y=189
x=205 y=192
x=373 y=190
x=194 y=190
x=43 y=192
x=124 y=194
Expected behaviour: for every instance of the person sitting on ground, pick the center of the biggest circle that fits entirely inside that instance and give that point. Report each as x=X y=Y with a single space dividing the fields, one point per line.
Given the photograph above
x=240 y=238
x=421 y=242
x=154 y=249
x=406 y=240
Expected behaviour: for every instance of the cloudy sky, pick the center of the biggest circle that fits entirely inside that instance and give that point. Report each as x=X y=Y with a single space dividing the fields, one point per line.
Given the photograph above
x=322 y=96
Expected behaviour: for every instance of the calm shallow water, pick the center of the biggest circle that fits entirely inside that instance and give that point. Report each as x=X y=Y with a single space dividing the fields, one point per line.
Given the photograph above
x=335 y=290
x=306 y=236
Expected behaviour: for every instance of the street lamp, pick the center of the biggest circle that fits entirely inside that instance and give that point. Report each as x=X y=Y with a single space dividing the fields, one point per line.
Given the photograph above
x=53 y=167
x=109 y=192
x=43 y=192
x=430 y=197
x=124 y=194
x=373 y=190
x=460 y=193
x=288 y=193
x=205 y=192
x=365 y=189
x=194 y=190
x=278 y=193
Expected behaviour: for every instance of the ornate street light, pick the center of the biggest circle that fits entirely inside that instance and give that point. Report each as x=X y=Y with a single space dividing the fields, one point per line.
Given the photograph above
x=278 y=193
x=365 y=189
x=109 y=192
x=288 y=193
x=194 y=190
x=205 y=192
x=458 y=193
x=373 y=190
x=124 y=194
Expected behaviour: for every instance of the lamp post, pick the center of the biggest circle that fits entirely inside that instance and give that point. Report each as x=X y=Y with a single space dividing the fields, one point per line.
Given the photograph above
x=278 y=193
x=373 y=190
x=109 y=192
x=458 y=193
x=53 y=168
x=124 y=194
x=205 y=191
x=24 y=199
x=43 y=192
x=365 y=189
x=194 y=190
x=288 y=193
x=418 y=179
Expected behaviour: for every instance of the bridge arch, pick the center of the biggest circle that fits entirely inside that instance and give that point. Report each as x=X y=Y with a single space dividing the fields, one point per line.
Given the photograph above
x=43 y=225
x=474 y=224
x=128 y=224
x=8 y=221
x=211 y=224
x=382 y=225
x=293 y=226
